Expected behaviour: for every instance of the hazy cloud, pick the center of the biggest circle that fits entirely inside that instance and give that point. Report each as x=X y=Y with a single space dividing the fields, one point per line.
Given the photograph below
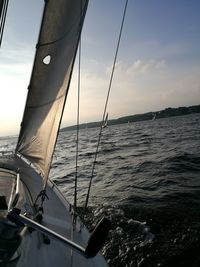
x=142 y=66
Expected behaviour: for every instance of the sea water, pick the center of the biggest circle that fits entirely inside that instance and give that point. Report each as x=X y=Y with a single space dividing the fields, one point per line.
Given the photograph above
x=146 y=181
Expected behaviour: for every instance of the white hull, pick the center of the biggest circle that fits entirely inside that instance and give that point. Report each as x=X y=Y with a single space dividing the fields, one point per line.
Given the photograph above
x=33 y=251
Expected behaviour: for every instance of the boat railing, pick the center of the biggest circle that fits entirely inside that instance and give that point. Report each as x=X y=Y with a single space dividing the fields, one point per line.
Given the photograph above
x=10 y=185
x=27 y=161
x=17 y=192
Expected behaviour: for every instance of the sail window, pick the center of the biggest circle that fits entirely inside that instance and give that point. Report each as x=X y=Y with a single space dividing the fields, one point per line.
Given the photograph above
x=47 y=60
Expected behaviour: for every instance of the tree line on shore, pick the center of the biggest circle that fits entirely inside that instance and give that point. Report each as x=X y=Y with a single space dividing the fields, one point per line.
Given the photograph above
x=168 y=112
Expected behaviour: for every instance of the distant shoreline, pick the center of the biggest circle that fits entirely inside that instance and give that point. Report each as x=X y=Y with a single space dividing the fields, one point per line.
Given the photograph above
x=168 y=112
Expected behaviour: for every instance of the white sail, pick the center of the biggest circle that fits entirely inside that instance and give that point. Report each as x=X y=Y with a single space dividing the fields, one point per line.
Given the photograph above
x=55 y=55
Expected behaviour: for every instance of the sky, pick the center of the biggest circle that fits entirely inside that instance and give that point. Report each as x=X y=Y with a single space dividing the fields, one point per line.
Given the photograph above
x=158 y=64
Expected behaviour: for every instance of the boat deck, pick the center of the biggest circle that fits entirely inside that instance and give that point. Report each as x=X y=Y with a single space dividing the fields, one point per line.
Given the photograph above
x=34 y=250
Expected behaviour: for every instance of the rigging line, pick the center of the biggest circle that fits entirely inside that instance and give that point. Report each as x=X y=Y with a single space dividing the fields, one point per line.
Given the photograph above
x=106 y=103
x=3 y=18
x=77 y=130
x=77 y=123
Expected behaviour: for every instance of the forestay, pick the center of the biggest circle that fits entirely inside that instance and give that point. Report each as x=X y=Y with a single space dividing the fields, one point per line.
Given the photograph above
x=50 y=80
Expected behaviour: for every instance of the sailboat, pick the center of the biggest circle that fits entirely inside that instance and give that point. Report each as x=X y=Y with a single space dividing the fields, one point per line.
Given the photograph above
x=154 y=116
x=37 y=224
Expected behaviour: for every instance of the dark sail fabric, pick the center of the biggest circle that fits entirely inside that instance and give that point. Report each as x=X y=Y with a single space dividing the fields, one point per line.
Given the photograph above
x=50 y=80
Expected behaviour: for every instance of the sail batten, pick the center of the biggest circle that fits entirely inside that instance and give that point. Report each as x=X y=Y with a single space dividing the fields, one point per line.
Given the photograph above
x=50 y=80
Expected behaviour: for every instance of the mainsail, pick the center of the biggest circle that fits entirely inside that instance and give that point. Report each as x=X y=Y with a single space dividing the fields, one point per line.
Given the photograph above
x=55 y=55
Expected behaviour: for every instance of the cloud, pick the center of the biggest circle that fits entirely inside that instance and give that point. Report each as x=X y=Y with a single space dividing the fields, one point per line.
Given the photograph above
x=14 y=79
x=157 y=49
x=125 y=90
x=15 y=69
x=139 y=67
x=16 y=63
x=139 y=86
x=143 y=85
x=143 y=66
x=118 y=68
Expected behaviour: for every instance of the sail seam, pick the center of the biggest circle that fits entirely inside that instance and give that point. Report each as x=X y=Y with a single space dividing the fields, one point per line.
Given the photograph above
x=47 y=103
x=62 y=37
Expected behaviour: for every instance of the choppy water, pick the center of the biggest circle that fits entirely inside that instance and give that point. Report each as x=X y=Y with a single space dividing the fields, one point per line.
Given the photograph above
x=147 y=181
